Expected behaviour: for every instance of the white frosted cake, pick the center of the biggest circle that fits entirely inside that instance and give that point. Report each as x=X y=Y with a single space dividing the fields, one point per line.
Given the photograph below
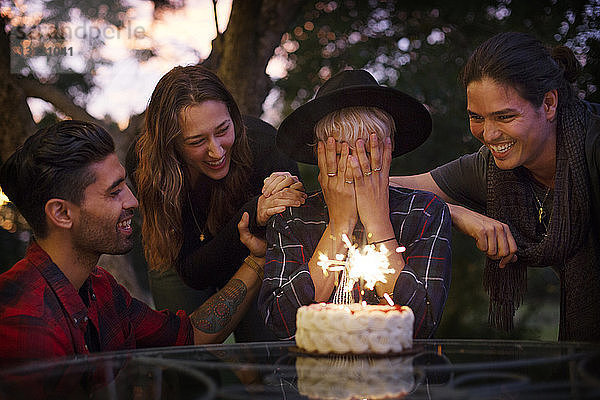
x=354 y=328
x=354 y=377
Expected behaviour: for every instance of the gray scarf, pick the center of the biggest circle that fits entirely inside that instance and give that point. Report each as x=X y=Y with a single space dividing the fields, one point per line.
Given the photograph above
x=568 y=244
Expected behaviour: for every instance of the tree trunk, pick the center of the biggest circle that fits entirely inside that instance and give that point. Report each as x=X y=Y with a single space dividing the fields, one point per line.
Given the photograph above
x=16 y=121
x=240 y=56
x=254 y=31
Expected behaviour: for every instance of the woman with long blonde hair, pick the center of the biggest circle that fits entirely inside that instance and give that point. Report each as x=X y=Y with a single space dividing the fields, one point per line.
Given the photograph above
x=200 y=173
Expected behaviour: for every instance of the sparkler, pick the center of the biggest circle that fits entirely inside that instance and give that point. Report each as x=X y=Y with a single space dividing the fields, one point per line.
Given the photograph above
x=3 y=198
x=367 y=266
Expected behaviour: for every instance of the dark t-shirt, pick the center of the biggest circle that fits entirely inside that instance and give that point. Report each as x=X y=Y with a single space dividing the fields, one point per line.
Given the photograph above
x=465 y=181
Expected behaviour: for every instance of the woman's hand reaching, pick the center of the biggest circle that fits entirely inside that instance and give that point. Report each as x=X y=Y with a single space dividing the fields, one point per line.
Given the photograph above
x=491 y=236
x=256 y=245
x=280 y=180
x=280 y=190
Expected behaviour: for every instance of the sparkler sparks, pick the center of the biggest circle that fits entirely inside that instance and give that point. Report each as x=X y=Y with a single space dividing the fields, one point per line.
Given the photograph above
x=367 y=265
x=3 y=198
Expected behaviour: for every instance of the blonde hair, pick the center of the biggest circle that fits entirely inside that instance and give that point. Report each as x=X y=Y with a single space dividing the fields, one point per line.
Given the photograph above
x=352 y=123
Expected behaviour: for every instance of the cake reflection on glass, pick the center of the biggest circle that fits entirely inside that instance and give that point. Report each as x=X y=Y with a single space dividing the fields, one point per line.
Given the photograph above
x=354 y=328
x=354 y=377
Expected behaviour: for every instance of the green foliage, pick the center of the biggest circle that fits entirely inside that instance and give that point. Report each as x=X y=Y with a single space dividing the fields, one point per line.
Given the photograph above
x=420 y=48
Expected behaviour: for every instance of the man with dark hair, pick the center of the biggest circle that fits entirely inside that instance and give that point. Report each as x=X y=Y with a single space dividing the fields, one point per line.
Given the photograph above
x=69 y=185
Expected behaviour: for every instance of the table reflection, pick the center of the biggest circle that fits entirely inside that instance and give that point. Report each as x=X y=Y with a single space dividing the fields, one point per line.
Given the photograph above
x=351 y=377
x=436 y=369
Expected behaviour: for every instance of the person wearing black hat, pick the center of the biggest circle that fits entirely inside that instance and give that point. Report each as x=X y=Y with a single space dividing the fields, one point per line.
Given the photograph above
x=352 y=129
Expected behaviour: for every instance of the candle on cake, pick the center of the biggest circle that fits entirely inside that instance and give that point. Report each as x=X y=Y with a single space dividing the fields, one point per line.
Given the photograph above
x=350 y=327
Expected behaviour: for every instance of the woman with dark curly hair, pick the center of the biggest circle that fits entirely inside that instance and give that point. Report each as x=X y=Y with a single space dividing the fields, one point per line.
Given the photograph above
x=531 y=195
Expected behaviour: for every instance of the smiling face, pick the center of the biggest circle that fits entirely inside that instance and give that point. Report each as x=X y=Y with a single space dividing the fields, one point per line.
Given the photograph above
x=516 y=132
x=207 y=137
x=102 y=222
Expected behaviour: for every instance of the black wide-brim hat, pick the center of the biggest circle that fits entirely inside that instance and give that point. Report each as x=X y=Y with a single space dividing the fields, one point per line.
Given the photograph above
x=353 y=88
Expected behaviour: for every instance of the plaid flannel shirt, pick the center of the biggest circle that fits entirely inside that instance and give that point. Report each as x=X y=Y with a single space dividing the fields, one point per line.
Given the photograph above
x=43 y=316
x=421 y=223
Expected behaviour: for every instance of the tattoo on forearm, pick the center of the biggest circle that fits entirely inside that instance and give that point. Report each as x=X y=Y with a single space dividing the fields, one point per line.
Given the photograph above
x=216 y=312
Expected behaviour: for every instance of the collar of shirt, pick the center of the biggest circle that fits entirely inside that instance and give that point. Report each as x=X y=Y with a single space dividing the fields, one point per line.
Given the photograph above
x=57 y=281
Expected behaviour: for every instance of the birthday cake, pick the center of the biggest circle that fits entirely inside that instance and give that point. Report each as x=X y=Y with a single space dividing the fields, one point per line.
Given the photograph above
x=355 y=377
x=354 y=328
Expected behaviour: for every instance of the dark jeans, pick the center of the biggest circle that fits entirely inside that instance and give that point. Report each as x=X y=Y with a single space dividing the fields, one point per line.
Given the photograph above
x=169 y=292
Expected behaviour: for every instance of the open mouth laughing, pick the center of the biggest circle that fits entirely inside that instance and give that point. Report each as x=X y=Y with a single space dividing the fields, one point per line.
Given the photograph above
x=216 y=164
x=502 y=148
x=125 y=225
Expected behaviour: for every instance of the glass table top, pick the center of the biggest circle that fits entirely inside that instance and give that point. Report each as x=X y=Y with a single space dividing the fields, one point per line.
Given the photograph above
x=444 y=369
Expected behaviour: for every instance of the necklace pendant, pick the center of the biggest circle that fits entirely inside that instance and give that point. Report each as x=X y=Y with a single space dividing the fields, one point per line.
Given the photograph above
x=541 y=214
x=202 y=237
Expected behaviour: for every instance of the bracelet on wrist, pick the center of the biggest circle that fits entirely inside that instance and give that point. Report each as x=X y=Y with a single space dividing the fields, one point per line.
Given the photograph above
x=251 y=262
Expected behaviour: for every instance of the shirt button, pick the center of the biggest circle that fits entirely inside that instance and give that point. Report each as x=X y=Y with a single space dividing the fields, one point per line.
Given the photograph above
x=93 y=296
x=85 y=319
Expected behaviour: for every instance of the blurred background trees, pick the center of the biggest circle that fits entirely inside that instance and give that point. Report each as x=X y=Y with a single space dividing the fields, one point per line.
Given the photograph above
x=416 y=46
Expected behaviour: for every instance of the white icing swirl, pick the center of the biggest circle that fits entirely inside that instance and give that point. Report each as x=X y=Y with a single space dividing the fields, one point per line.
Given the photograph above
x=354 y=328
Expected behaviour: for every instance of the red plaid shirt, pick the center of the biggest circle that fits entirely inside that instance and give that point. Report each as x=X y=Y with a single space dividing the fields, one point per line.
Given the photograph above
x=43 y=316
